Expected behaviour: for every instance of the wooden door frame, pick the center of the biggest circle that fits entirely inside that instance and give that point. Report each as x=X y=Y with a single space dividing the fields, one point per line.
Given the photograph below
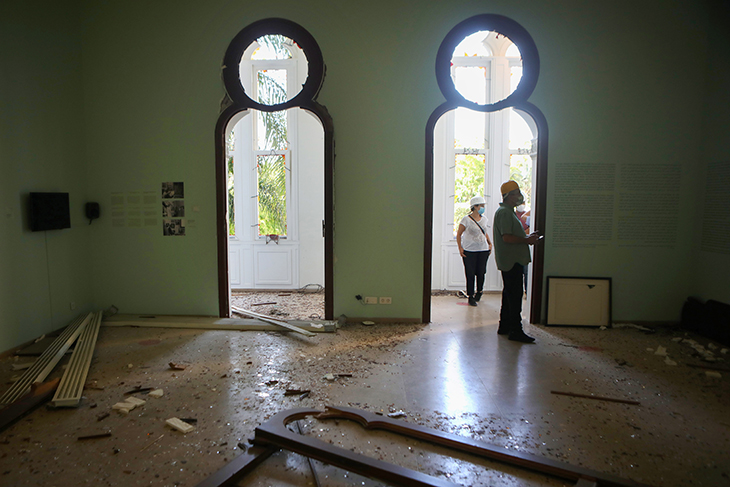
x=518 y=100
x=238 y=101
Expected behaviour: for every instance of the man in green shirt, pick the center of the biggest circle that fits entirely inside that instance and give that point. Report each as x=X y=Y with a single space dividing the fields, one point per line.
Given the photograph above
x=512 y=254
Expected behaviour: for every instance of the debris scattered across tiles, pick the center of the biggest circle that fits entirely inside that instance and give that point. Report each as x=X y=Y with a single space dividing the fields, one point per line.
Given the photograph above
x=231 y=382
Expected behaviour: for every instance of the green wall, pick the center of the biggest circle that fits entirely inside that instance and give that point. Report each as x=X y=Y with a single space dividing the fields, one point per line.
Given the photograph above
x=41 y=149
x=620 y=81
x=712 y=269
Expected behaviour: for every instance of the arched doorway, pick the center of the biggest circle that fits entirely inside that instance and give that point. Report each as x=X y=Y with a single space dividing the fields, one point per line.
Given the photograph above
x=489 y=107
x=241 y=102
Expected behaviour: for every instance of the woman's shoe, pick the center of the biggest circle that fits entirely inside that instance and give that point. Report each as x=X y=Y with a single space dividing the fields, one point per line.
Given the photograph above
x=472 y=301
x=477 y=297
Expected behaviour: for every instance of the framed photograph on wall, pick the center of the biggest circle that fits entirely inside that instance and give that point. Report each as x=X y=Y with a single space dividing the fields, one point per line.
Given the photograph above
x=578 y=301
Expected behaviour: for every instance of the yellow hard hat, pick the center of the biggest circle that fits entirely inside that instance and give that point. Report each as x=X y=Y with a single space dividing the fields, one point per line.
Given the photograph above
x=509 y=186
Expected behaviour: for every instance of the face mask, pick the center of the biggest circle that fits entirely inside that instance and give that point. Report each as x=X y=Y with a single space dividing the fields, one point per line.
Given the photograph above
x=481 y=211
x=521 y=208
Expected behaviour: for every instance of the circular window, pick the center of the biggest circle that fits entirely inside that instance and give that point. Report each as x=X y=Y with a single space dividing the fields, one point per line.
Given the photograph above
x=272 y=65
x=486 y=67
x=487 y=62
x=273 y=70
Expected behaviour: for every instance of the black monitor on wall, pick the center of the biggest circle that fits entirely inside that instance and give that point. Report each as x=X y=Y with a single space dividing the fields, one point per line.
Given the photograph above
x=49 y=211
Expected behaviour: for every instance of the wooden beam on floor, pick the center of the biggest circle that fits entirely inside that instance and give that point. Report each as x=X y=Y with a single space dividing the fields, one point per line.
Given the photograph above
x=213 y=323
x=275 y=433
x=597 y=398
x=267 y=319
x=74 y=377
x=47 y=361
x=239 y=467
x=39 y=393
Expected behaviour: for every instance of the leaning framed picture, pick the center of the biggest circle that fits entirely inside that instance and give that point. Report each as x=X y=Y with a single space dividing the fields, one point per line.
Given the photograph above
x=578 y=301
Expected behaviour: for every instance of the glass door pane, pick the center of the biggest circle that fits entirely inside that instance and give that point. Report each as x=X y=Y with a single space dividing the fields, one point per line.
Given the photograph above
x=271 y=184
x=468 y=182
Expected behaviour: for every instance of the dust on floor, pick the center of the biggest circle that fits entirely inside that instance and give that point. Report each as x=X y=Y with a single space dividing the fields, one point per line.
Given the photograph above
x=234 y=381
x=286 y=305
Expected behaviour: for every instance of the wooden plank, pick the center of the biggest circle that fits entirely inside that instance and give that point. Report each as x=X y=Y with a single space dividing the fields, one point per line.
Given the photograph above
x=38 y=394
x=237 y=468
x=275 y=433
x=272 y=321
x=597 y=398
x=47 y=361
x=74 y=377
x=212 y=323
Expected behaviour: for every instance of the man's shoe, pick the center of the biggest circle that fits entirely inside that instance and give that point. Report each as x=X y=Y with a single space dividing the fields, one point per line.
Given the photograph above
x=502 y=330
x=472 y=301
x=477 y=297
x=521 y=337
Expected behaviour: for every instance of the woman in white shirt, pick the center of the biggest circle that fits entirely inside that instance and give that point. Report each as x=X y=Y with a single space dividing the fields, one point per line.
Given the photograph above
x=474 y=248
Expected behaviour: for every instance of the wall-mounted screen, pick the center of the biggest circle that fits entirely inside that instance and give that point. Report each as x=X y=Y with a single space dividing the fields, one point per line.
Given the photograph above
x=49 y=211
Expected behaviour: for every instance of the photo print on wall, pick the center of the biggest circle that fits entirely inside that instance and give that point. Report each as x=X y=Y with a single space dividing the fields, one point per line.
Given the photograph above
x=173 y=209
x=173 y=228
x=173 y=190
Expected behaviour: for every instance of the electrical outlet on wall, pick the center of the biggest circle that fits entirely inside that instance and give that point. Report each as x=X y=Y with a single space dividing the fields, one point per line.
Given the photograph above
x=386 y=300
x=371 y=300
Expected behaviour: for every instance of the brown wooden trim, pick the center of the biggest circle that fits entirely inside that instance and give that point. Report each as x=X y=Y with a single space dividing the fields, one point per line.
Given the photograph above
x=306 y=99
x=275 y=433
x=539 y=209
x=518 y=100
x=410 y=321
x=39 y=393
x=239 y=467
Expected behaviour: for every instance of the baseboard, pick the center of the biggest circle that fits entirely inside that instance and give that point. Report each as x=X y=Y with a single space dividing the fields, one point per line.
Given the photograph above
x=391 y=321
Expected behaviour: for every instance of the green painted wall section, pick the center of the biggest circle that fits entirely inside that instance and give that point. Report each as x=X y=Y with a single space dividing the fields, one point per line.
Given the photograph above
x=712 y=269
x=41 y=149
x=620 y=82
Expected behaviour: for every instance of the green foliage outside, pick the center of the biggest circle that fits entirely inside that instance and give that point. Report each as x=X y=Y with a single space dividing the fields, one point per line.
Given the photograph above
x=271 y=169
x=272 y=195
x=230 y=145
x=271 y=172
x=469 y=182
x=520 y=170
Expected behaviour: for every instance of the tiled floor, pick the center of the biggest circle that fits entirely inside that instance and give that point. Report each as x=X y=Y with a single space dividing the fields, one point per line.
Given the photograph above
x=455 y=374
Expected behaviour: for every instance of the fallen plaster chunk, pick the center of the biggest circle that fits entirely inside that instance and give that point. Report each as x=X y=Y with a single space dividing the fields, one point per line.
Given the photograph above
x=397 y=414
x=677 y=339
x=135 y=400
x=123 y=407
x=156 y=393
x=649 y=349
x=368 y=323
x=712 y=373
x=316 y=326
x=130 y=366
x=661 y=351
x=712 y=346
x=329 y=377
x=669 y=361
x=180 y=425
x=603 y=328
x=723 y=351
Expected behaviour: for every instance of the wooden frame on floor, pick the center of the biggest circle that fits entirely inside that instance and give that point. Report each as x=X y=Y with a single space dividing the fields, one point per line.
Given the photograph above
x=275 y=434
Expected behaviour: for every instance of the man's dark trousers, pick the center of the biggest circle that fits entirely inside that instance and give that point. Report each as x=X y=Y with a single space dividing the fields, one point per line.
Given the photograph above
x=510 y=316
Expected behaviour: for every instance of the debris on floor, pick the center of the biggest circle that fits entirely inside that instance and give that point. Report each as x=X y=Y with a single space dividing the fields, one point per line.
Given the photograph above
x=180 y=425
x=453 y=375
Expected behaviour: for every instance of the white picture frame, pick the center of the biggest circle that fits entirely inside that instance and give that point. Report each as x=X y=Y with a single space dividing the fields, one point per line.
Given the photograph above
x=578 y=301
